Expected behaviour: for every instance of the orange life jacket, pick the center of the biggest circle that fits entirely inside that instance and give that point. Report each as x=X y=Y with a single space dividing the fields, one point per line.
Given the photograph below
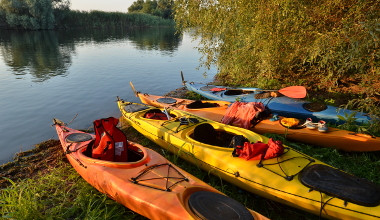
x=110 y=142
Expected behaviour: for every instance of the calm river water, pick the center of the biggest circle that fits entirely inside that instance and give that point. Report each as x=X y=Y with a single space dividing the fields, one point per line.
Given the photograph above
x=45 y=75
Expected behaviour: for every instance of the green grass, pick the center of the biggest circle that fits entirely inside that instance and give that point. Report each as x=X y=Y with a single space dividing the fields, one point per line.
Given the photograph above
x=60 y=194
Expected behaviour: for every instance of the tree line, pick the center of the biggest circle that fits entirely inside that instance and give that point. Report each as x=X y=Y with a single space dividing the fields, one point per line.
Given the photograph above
x=56 y=14
x=32 y=14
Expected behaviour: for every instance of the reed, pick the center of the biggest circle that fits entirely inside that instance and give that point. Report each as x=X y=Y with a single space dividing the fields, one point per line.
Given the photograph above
x=100 y=19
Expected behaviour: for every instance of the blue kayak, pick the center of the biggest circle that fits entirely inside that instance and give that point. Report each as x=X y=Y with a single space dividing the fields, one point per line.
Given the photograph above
x=281 y=105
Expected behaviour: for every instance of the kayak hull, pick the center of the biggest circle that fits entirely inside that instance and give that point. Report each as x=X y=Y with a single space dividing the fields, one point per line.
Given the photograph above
x=152 y=199
x=279 y=183
x=282 y=105
x=333 y=138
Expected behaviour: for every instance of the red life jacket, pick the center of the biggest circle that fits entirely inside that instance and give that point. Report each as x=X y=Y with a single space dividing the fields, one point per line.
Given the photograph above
x=110 y=142
x=259 y=150
x=156 y=115
x=241 y=114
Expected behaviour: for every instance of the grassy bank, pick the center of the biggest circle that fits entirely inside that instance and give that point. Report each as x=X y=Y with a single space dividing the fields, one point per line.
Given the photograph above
x=44 y=185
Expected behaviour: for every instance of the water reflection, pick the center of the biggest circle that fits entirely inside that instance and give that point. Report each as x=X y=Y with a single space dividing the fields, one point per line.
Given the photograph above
x=37 y=53
x=46 y=54
x=149 y=39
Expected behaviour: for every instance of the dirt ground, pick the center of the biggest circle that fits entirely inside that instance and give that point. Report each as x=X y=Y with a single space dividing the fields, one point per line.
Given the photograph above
x=41 y=159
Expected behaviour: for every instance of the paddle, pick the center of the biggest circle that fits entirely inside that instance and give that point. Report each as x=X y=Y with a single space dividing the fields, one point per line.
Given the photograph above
x=298 y=92
x=133 y=88
x=183 y=79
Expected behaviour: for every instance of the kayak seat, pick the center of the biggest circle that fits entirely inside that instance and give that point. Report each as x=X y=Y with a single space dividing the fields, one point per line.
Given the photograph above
x=200 y=104
x=339 y=184
x=233 y=92
x=205 y=133
x=236 y=92
x=155 y=114
x=88 y=151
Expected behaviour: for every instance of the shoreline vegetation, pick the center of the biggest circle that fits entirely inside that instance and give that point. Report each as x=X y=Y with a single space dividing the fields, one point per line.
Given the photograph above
x=40 y=183
x=97 y=19
x=56 y=14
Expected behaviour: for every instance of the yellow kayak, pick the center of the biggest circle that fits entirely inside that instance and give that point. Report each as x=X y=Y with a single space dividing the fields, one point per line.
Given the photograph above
x=293 y=178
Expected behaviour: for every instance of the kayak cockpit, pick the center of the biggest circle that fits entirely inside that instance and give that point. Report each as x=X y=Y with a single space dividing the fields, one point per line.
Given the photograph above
x=207 y=134
x=199 y=104
x=233 y=92
x=82 y=144
x=137 y=156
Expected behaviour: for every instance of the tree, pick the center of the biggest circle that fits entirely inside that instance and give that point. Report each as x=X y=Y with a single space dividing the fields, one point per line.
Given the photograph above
x=161 y=8
x=136 y=6
x=166 y=8
x=32 y=14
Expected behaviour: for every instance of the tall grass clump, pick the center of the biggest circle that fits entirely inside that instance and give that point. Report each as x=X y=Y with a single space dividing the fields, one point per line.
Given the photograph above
x=324 y=45
x=61 y=194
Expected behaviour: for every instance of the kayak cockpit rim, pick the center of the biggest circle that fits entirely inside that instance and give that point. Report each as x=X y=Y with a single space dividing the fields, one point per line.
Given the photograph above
x=137 y=156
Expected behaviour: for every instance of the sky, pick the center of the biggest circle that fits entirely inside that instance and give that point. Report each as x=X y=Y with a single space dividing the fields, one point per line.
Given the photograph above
x=101 y=5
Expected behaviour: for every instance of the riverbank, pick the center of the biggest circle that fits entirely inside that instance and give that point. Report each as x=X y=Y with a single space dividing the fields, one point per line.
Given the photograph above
x=45 y=178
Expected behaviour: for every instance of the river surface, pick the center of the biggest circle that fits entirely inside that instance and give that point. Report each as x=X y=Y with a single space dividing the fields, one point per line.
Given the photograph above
x=77 y=75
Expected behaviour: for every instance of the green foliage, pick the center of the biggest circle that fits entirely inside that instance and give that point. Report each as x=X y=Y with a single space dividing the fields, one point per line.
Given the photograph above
x=161 y=8
x=320 y=42
x=28 y=14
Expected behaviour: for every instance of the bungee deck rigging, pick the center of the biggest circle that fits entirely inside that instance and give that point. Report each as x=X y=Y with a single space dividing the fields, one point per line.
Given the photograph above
x=138 y=179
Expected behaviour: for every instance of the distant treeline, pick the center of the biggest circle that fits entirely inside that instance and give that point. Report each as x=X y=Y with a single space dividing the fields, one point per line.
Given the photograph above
x=56 y=14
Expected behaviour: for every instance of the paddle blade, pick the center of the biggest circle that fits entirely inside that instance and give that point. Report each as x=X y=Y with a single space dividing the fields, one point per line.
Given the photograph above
x=297 y=92
x=183 y=79
x=133 y=88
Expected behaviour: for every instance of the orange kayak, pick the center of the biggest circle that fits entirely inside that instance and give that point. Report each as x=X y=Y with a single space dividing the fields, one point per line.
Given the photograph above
x=148 y=183
x=333 y=138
